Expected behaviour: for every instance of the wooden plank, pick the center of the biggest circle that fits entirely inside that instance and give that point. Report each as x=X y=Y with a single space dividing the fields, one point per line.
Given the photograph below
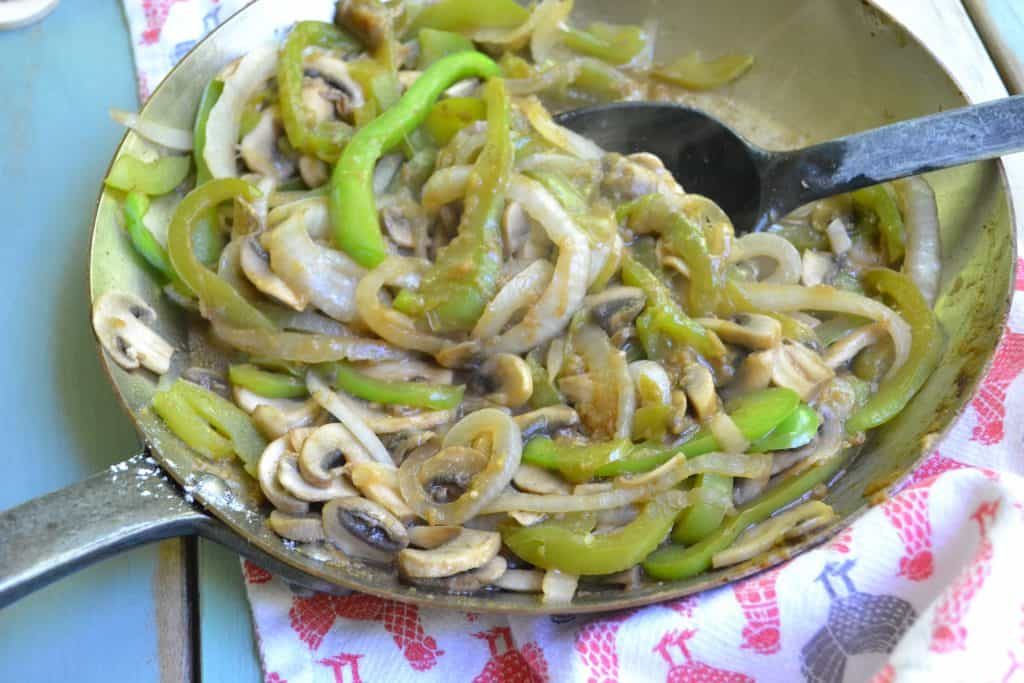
x=59 y=415
x=227 y=642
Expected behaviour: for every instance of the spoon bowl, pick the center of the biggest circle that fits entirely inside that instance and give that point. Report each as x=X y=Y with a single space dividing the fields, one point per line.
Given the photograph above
x=755 y=187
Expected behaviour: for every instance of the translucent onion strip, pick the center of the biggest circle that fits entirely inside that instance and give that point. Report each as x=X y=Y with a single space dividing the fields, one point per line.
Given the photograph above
x=359 y=430
x=787 y=259
x=521 y=291
x=444 y=186
x=389 y=324
x=168 y=136
x=789 y=298
x=764 y=536
x=923 y=262
x=559 y=136
x=305 y=348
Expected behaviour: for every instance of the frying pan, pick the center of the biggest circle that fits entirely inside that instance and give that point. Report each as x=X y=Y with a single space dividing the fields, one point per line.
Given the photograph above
x=825 y=68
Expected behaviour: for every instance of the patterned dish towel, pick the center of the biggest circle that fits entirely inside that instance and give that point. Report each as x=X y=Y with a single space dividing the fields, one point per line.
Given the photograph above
x=926 y=587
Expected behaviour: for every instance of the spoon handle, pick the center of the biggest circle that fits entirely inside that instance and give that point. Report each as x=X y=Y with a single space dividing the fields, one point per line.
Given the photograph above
x=949 y=138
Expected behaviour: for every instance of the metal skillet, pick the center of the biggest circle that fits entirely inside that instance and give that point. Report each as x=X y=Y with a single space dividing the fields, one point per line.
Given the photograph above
x=825 y=69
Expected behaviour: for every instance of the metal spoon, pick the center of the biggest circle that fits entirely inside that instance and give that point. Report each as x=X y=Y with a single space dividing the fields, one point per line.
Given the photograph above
x=756 y=187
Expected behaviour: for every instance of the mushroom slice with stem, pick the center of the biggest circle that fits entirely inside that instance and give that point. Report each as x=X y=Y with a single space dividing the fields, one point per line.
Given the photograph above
x=652 y=382
x=510 y=377
x=256 y=266
x=430 y=537
x=297 y=437
x=122 y=324
x=755 y=373
x=273 y=420
x=798 y=368
x=533 y=479
x=750 y=330
x=327 y=450
x=843 y=350
x=291 y=479
x=305 y=528
x=260 y=152
x=379 y=482
x=361 y=528
x=546 y=419
x=615 y=307
x=328 y=79
x=249 y=400
x=470 y=549
x=521 y=581
x=267 y=474
x=470 y=581
x=700 y=390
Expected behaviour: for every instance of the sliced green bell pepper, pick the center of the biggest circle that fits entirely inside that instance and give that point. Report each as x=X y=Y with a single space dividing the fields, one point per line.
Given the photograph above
x=208 y=240
x=451 y=115
x=694 y=74
x=711 y=494
x=876 y=201
x=136 y=205
x=154 y=178
x=544 y=391
x=464 y=277
x=266 y=383
x=436 y=44
x=795 y=431
x=896 y=390
x=415 y=394
x=614 y=44
x=553 y=545
x=466 y=16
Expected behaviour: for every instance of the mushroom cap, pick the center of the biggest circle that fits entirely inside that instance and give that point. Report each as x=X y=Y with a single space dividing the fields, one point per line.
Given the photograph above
x=512 y=378
x=291 y=479
x=470 y=549
x=615 y=307
x=121 y=322
x=751 y=330
x=256 y=266
x=357 y=519
x=266 y=472
x=303 y=528
x=325 y=452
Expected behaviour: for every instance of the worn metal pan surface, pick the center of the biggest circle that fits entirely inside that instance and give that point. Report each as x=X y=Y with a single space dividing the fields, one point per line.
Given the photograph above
x=824 y=68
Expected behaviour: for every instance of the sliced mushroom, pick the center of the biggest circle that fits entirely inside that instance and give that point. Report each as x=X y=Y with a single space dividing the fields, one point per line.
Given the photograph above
x=249 y=400
x=293 y=482
x=652 y=383
x=430 y=537
x=615 y=307
x=306 y=528
x=379 y=482
x=313 y=171
x=579 y=389
x=403 y=445
x=546 y=420
x=515 y=228
x=298 y=436
x=470 y=549
x=700 y=390
x=256 y=266
x=471 y=581
x=260 y=152
x=329 y=86
x=521 y=581
x=844 y=350
x=326 y=451
x=364 y=529
x=755 y=373
x=558 y=588
x=535 y=479
x=818 y=268
x=121 y=322
x=750 y=330
x=274 y=421
x=798 y=368
x=266 y=472
x=527 y=518
x=511 y=378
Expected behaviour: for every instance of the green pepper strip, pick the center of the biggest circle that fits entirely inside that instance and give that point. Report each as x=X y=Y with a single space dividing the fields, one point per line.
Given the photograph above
x=654 y=213
x=323 y=139
x=614 y=44
x=675 y=562
x=552 y=545
x=266 y=383
x=221 y=300
x=352 y=205
x=795 y=431
x=896 y=390
x=890 y=223
x=756 y=415
x=436 y=44
x=136 y=205
x=416 y=394
x=202 y=419
x=451 y=115
x=707 y=511
x=464 y=278
x=154 y=178
x=465 y=16
x=694 y=74
x=663 y=314
x=208 y=241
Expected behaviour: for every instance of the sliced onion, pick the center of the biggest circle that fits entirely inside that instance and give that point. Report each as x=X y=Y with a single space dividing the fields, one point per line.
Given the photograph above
x=444 y=186
x=222 y=128
x=506 y=445
x=555 y=76
x=559 y=136
x=548 y=12
x=359 y=430
x=389 y=324
x=923 y=262
x=325 y=276
x=843 y=350
x=168 y=136
x=558 y=588
x=788 y=298
x=679 y=468
x=305 y=348
x=788 y=265
x=521 y=291
x=568 y=285
x=381 y=423
x=762 y=537
x=730 y=438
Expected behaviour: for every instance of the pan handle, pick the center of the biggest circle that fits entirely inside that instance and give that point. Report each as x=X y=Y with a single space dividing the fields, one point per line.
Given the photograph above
x=131 y=503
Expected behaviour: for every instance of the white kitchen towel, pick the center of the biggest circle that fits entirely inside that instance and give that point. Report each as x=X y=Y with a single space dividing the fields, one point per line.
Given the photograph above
x=925 y=587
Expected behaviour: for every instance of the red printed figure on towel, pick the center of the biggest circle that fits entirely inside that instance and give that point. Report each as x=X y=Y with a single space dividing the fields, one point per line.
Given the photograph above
x=509 y=665
x=596 y=646
x=156 y=12
x=762 y=632
x=948 y=632
x=908 y=513
x=683 y=669
x=312 y=618
x=345 y=667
